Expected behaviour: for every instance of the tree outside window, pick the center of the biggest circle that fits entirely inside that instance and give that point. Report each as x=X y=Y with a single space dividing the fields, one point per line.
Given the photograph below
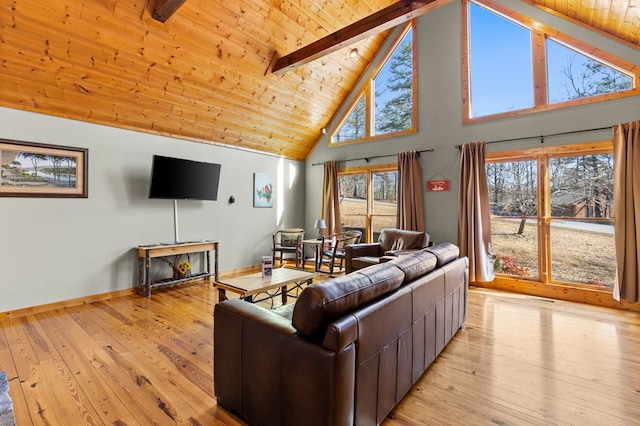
x=388 y=98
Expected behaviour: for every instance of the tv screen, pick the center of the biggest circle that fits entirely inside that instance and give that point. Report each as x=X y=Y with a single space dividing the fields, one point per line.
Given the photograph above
x=180 y=179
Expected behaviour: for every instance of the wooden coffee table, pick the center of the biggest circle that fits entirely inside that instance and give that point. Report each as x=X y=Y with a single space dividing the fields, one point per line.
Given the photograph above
x=247 y=286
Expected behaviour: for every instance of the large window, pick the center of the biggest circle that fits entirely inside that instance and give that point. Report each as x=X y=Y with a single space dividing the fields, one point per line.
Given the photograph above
x=515 y=65
x=500 y=67
x=368 y=199
x=551 y=215
x=386 y=104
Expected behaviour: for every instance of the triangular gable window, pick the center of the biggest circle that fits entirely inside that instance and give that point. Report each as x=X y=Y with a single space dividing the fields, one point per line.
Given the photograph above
x=354 y=126
x=514 y=66
x=573 y=75
x=386 y=104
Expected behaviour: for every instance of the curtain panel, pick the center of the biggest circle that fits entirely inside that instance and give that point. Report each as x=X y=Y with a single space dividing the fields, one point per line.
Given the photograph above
x=410 y=209
x=626 y=209
x=474 y=218
x=331 y=199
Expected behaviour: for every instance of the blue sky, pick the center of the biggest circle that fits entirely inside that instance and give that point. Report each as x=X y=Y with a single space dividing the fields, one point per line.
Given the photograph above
x=501 y=69
x=500 y=66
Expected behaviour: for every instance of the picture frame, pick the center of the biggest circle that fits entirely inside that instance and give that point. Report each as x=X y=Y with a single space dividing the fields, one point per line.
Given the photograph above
x=30 y=169
x=262 y=190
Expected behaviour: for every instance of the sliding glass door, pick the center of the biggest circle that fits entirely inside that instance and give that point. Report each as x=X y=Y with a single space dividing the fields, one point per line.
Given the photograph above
x=551 y=215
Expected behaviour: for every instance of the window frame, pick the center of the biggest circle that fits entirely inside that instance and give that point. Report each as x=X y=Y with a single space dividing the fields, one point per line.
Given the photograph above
x=369 y=171
x=542 y=156
x=539 y=34
x=367 y=89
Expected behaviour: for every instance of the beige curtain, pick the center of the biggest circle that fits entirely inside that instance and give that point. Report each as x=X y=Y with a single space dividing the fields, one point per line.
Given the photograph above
x=626 y=209
x=410 y=211
x=474 y=220
x=331 y=199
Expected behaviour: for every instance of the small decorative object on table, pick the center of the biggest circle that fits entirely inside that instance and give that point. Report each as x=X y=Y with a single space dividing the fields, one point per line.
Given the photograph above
x=267 y=266
x=181 y=268
x=320 y=226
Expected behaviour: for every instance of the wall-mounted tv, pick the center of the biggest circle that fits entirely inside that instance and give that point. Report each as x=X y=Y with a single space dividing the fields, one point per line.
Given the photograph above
x=180 y=179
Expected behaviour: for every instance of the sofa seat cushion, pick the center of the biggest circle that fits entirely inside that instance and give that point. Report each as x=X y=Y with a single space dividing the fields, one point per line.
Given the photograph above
x=415 y=265
x=321 y=304
x=285 y=311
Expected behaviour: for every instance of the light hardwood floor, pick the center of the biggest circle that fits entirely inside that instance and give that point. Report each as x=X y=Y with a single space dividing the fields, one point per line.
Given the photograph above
x=137 y=361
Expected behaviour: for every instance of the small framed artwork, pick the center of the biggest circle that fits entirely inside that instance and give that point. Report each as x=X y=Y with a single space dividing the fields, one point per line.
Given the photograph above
x=30 y=169
x=262 y=190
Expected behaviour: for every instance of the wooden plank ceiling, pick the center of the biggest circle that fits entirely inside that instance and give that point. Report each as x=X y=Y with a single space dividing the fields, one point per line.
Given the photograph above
x=203 y=74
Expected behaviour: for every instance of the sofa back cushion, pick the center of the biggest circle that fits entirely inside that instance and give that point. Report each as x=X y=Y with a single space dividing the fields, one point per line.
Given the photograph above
x=321 y=304
x=444 y=252
x=391 y=239
x=415 y=265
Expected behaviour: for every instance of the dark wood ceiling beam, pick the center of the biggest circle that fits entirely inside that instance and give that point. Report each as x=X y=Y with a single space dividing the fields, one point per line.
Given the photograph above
x=389 y=17
x=165 y=8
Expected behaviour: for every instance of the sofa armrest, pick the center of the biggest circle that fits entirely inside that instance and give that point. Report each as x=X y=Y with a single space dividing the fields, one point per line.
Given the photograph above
x=352 y=251
x=364 y=249
x=261 y=364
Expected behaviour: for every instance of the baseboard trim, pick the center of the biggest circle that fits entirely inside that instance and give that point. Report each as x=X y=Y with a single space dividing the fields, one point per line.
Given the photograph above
x=64 y=304
x=103 y=296
x=590 y=297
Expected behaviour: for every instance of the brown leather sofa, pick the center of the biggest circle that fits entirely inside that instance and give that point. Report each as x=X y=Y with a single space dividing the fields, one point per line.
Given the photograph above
x=391 y=242
x=348 y=350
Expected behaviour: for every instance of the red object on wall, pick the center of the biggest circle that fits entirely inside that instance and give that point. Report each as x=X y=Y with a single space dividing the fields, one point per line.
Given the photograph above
x=438 y=185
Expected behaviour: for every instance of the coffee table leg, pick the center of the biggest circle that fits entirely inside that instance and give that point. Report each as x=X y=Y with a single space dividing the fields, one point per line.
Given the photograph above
x=284 y=294
x=222 y=294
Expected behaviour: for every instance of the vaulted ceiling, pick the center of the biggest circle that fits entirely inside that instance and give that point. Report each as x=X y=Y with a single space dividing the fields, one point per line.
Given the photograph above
x=205 y=73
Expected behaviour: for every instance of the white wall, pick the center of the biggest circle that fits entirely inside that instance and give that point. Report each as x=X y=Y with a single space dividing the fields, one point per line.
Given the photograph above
x=440 y=117
x=56 y=249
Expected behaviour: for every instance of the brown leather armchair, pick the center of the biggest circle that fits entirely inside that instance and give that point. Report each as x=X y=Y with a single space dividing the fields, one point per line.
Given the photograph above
x=391 y=242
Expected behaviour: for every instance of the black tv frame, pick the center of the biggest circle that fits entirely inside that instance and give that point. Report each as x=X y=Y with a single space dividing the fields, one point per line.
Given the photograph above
x=182 y=179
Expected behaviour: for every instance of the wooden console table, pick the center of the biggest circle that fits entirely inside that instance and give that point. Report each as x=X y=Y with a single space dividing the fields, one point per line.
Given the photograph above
x=150 y=251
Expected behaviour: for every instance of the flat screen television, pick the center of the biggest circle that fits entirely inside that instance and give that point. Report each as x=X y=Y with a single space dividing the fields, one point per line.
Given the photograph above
x=180 y=179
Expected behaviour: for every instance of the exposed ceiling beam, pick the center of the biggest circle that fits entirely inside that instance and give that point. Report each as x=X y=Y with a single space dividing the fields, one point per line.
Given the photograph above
x=165 y=8
x=389 y=17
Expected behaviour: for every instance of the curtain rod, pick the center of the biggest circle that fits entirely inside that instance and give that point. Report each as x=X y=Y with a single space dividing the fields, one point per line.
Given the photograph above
x=541 y=137
x=372 y=156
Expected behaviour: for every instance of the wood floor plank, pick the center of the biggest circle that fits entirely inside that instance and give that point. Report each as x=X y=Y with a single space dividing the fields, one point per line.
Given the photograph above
x=50 y=384
x=88 y=362
x=137 y=352
x=134 y=360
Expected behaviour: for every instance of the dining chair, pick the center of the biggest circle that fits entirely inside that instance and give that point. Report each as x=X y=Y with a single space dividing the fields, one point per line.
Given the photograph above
x=288 y=241
x=333 y=248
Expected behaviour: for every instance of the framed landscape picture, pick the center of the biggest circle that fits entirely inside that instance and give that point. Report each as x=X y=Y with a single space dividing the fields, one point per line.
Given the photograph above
x=37 y=170
x=262 y=190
